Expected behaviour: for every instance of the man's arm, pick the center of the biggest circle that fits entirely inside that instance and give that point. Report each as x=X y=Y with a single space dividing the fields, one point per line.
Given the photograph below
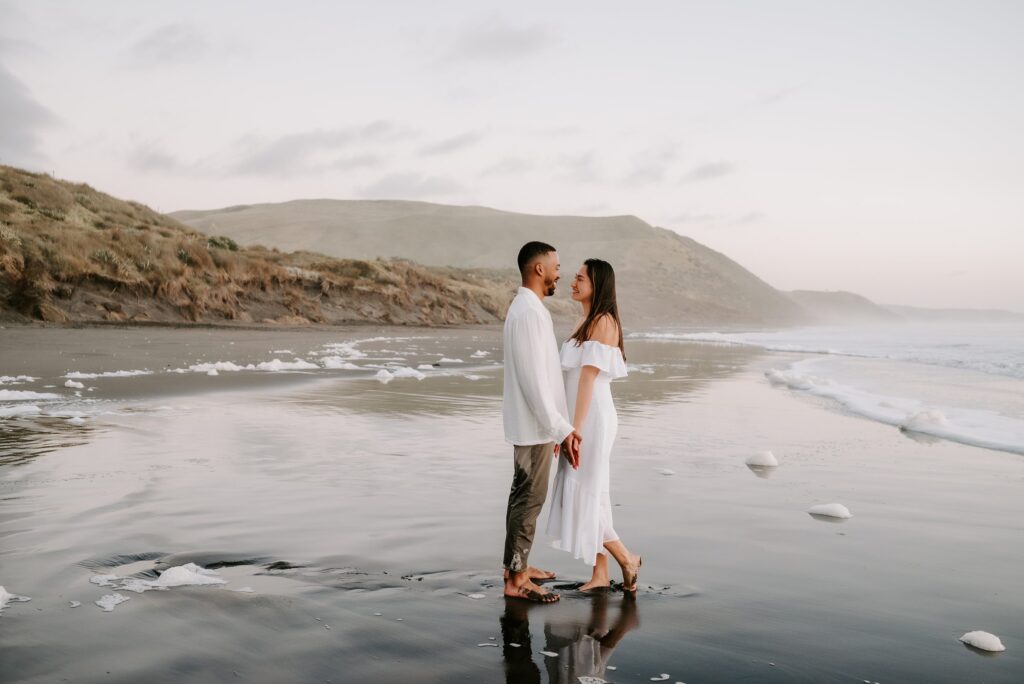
x=527 y=335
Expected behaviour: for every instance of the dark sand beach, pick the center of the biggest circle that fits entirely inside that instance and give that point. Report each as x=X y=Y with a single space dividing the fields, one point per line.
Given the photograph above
x=364 y=520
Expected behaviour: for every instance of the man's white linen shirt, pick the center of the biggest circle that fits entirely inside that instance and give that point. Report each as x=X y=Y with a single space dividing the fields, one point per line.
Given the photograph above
x=534 y=407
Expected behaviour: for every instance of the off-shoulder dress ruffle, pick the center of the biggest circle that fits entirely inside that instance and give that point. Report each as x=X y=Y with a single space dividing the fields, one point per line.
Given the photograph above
x=605 y=358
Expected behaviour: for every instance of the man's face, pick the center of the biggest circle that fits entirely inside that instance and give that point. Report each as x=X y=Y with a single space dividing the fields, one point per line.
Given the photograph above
x=551 y=272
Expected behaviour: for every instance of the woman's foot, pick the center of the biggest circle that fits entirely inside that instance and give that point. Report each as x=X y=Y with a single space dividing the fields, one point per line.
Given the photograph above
x=595 y=583
x=631 y=573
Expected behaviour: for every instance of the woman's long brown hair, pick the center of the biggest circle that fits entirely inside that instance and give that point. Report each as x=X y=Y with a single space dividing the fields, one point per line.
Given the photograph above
x=602 y=275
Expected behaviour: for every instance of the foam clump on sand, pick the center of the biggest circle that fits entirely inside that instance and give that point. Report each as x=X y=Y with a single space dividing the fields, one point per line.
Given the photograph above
x=479 y=354
x=925 y=419
x=383 y=377
x=23 y=410
x=445 y=359
x=74 y=384
x=338 y=363
x=7 y=597
x=793 y=380
x=188 y=575
x=25 y=395
x=983 y=640
x=765 y=459
x=406 y=372
x=278 y=365
x=832 y=510
x=75 y=375
x=108 y=601
x=16 y=379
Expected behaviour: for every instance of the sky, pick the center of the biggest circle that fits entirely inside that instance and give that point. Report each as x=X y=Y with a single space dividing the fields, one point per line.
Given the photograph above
x=873 y=147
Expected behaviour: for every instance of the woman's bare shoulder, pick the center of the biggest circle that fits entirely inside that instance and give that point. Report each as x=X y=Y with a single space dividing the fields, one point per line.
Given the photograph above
x=605 y=330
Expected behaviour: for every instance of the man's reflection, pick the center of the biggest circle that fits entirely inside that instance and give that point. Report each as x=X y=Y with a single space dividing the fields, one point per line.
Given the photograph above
x=583 y=642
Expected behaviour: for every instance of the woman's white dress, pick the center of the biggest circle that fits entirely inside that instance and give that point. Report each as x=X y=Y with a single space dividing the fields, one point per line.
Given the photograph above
x=580 y=518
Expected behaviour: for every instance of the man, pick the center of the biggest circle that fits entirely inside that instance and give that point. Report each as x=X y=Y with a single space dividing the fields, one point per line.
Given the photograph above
x=535 y=414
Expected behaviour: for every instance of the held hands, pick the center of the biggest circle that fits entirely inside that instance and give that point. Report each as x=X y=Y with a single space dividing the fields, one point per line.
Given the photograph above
x=571 y=448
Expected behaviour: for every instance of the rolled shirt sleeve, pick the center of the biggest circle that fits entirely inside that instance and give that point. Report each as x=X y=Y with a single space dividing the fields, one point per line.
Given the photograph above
x=528 y=334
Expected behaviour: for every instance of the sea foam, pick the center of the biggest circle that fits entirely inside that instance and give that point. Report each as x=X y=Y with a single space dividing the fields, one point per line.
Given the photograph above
x=832 y=510
x=981 y=428
x=7 y=597
x=983 y=640
x=25 y=395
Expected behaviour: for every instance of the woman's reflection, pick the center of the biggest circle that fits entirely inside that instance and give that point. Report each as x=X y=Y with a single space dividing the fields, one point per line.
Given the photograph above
x=583 y=643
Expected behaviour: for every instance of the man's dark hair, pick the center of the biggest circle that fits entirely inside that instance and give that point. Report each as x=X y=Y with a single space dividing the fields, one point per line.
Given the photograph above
x=530 y=251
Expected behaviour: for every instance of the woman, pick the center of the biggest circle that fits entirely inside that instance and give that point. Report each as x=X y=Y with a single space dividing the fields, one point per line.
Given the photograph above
x=580 y=519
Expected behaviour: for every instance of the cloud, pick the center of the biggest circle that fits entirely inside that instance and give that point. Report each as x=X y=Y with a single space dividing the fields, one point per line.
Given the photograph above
x=151 y=158
x=409 y=186
x=449 y=145
x=358 y=161
x=22 y=121
x=708 y=219
x=168 y=44
x=310 y=151
x=493 y=40
x=508 y=166
x=583 y=168
x=708 y=171
x=775 y=96
x=652 y=165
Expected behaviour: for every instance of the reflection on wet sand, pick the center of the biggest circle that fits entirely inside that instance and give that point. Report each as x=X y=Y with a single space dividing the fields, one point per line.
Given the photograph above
x=575 y=647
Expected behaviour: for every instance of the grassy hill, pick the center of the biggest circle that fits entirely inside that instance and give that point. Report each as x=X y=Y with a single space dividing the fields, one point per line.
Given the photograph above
x=69 y=253
x=663 y=278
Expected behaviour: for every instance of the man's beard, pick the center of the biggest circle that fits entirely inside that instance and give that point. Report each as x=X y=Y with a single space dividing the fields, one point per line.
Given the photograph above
x=549 y=289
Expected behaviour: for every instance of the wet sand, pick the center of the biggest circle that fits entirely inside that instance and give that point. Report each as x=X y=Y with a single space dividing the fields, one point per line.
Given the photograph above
x=363 y=516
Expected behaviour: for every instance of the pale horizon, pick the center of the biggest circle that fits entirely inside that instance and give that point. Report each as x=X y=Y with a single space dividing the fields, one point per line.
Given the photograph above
x=872 y=148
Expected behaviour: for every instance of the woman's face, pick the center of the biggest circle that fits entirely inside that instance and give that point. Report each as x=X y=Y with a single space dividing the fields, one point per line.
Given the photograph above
x=582 y=286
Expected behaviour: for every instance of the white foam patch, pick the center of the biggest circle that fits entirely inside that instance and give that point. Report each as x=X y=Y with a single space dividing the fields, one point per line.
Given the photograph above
x=74 y=384
x=762 y=458
x=25 y=395
x=338 y=363
x=75 y=375
x=832 y=510
x=646 y=369
x=245 y=590
x=7 y=597
x=383 y=376
x=476 y=596
x=445 y=359
x=187 y=575
x=213 y=371
x=275 y=365
x=20 y=410
x=660 y=678
x=425 y=366
x=74 y=604
x=983 y=640
x=985 y=429
x=665 y=471
x=16 y=379
x=104 y=580
x=283 y=351
x=479 y=354
x=549 y=654
x=109 y=601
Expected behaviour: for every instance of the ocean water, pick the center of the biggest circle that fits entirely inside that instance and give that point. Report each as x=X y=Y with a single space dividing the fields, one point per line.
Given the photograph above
x=300 y=516
x=962 y=382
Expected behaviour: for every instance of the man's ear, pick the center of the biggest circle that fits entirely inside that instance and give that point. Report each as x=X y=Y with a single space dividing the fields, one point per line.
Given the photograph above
x=538 y=267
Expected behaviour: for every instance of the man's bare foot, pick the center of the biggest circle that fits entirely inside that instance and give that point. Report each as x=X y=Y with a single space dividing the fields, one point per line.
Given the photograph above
x=529 y=591
x=536 y=574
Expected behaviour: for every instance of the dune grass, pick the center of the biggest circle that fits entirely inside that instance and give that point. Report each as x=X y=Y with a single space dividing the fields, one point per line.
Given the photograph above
x=71 y=253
